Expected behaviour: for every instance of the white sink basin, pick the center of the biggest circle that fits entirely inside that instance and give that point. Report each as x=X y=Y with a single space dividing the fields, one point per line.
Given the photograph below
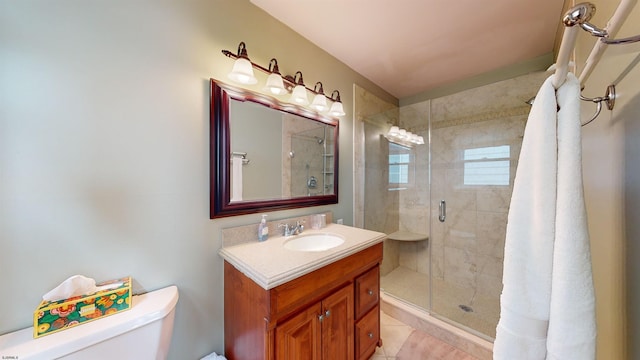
x=314 y=242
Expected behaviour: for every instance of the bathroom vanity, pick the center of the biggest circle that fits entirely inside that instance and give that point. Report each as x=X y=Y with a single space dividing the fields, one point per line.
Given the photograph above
x=298 y=304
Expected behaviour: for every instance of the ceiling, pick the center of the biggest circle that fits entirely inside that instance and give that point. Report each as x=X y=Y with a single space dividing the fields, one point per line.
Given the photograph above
x=411 y=46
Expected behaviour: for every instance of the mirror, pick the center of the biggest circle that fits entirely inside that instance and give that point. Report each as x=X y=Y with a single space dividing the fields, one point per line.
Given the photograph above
x=268 y=155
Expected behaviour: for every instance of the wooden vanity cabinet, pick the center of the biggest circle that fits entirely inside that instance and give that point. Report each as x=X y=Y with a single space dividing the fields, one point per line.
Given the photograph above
x=323 y=331
x=367 y=331
x=331 y=313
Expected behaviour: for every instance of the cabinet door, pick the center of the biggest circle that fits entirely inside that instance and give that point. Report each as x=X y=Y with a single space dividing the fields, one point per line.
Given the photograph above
x=367 y=291
x=368 y=334
x=299 y=337
x=337 y=325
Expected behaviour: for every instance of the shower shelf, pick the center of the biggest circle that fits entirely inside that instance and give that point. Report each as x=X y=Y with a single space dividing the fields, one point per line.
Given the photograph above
x=407 y=236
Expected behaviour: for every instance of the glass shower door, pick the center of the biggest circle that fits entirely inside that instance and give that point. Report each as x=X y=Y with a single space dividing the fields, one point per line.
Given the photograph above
x=472 y=170
x=468 y=166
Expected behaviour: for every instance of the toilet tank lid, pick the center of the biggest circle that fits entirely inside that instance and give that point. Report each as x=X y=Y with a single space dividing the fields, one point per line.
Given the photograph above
x=146 y=308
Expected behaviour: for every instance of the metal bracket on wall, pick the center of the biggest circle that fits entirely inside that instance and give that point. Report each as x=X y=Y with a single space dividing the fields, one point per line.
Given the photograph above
x=609 y=98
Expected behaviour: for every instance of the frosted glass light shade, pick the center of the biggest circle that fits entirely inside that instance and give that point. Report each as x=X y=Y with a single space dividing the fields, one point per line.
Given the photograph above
x=336 y=109
x=319 y=102
x=403 y=137
x=275 y=85
x=242 y=72
x=299 y=95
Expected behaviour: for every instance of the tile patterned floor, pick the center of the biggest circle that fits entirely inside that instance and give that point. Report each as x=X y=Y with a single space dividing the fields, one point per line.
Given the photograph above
x=395 y=334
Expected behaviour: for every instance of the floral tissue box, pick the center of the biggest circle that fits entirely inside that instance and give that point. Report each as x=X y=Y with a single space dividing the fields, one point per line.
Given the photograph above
x=53 y=316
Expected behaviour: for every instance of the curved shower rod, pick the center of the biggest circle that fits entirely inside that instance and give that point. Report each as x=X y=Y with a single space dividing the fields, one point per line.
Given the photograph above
x=582 y=13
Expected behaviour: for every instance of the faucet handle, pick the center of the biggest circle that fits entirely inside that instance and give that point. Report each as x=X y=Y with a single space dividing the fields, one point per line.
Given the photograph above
x=285 y=231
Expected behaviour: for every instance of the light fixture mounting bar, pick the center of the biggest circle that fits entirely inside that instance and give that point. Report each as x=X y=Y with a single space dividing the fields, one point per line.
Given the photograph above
x=287 y=78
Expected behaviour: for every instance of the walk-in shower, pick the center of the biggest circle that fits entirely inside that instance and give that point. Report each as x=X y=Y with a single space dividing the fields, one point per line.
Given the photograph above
x=444 y=204
x=311 y=161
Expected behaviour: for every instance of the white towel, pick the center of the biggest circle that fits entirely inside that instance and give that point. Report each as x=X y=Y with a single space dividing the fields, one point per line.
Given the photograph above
x=572 y=324
x=236 y=177
x=530 y=304
x=524 y=315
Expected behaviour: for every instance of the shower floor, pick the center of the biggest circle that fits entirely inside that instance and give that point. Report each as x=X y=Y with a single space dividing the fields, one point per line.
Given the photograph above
x=408 y=285
x=475 y=312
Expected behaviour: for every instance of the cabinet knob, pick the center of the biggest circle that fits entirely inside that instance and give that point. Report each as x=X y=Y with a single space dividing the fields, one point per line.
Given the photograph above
x=327 y=313
x=370 y=335
x=321 y=317
x=370 y=292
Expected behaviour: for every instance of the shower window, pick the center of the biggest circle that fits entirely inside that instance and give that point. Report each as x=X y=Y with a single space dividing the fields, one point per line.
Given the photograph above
x=487 y=165
x=400 y=167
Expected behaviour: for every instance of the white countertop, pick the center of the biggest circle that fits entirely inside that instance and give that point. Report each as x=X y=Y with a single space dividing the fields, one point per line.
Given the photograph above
x=270 y=264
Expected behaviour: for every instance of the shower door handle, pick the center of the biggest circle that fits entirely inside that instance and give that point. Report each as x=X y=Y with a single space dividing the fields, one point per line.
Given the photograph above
x=443 y=211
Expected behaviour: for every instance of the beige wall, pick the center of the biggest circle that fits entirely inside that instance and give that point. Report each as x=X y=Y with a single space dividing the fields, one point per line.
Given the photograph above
x=611 y=160
x=104 y=147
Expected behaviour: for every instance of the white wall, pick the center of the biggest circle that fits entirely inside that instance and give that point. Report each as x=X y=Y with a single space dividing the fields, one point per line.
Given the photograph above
x=104 y=147
x=611 y=159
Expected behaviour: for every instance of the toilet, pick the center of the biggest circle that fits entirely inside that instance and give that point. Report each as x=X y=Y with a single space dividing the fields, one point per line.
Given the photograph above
x=141 y=333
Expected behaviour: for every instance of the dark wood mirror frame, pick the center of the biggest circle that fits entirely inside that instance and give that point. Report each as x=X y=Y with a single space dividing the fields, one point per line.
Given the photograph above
x=220 y=154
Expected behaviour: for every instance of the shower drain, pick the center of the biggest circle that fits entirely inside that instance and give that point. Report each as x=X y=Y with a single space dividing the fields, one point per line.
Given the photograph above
x=465 y=308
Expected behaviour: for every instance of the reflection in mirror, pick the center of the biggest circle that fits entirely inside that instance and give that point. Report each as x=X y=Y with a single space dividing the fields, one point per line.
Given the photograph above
x=269 y=155
x=256 y=155
x=311 y=161
x=401 y=167
x=279 y=156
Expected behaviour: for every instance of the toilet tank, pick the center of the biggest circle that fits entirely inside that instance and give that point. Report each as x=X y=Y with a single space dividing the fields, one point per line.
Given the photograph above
x=143 y=332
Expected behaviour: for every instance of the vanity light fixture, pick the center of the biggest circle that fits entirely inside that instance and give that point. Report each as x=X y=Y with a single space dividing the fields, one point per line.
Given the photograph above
x=278 y=85
x=319 y=101
x=403 y=137
x=299 y=94
x=242 y=71
x=336 y=107
x=275 y=85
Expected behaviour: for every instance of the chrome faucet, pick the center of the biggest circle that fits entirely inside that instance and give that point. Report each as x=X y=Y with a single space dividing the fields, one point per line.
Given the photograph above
x=289 y=230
